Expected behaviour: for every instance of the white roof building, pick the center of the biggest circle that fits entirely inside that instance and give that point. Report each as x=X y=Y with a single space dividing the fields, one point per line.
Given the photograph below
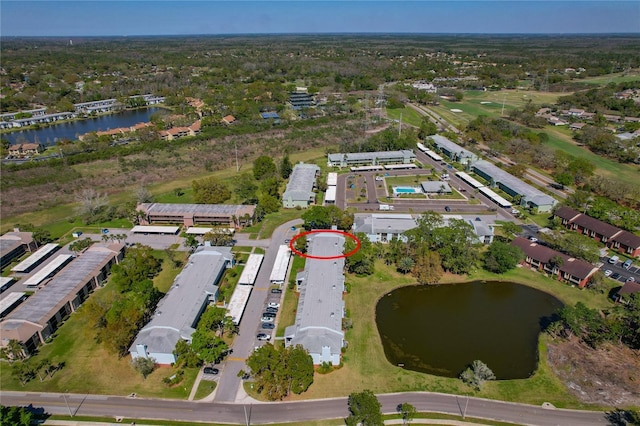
x=250 y=271
x=299 y=191
x=318 y=323
x=281 y=265
x=178 y=312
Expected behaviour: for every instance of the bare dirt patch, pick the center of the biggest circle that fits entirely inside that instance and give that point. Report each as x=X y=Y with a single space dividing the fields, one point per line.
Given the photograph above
x=609 y=375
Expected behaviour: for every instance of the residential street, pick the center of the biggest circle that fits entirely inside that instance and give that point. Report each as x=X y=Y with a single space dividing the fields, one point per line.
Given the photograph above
x=263 y=413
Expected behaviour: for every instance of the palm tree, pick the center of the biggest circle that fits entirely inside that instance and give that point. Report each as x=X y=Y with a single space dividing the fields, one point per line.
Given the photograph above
x=406 y=264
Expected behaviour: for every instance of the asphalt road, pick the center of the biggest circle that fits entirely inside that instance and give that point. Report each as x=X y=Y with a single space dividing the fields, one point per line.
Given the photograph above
x=262 y=413
x=245 y=342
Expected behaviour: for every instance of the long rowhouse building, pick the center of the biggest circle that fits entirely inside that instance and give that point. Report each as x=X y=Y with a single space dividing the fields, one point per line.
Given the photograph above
x=318 y=324
x=33 y=322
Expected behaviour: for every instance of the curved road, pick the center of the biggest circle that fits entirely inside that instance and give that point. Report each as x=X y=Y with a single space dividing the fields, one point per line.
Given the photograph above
x=263 y=413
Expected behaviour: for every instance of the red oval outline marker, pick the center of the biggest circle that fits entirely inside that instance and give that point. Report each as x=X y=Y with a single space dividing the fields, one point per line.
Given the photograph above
x=318 y=231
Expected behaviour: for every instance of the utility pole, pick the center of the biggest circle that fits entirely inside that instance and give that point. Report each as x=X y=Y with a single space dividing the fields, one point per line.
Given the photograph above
x=64 y=395
x=235 y=144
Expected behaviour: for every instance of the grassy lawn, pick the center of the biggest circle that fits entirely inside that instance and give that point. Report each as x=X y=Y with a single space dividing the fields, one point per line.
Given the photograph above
x=365 y=365
x=409 y=116
x=165 y=278
x=489 y=103
x=404 y=181
x=561 y=139
x=90 y=368
x=271 y=221
x=204 y=389
x=611 y=78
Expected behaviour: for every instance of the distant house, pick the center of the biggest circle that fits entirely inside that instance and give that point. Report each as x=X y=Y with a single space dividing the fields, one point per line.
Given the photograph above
x=180 y=132
x=577 y=126
x=270 y=115
x=25 y=149
x=228 y=119
x=568 y=269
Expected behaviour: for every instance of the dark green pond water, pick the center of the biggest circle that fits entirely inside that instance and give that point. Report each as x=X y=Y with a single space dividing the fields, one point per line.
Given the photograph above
x=441 y=329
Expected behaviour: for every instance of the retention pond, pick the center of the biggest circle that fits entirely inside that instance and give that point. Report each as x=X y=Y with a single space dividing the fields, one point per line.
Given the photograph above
x=441 y=329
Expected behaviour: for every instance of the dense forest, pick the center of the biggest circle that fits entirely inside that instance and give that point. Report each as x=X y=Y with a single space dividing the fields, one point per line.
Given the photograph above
x=222 y=70
x=208 y=78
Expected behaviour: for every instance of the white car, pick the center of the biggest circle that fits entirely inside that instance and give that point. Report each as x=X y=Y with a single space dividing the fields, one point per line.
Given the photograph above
x=608 y=273
x=273 y=305
x=533 y=239
x=266 y=319
x=263 y=336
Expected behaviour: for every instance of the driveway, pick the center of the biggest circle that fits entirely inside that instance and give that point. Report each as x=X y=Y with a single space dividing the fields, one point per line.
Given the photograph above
x=229 y=384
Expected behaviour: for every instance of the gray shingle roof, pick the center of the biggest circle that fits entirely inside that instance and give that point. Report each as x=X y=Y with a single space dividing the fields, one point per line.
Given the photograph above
x=320 y=307
x=179 y=310
x=530 y=193
x=301 y=182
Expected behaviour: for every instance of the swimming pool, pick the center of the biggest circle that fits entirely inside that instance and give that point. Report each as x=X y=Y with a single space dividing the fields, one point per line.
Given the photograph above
x=406 y=190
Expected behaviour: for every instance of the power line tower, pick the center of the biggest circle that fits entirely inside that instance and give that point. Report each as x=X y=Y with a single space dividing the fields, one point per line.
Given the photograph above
x=544 y=87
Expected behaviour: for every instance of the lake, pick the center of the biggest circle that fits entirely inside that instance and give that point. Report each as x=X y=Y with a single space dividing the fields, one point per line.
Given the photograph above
x=441 y=329
x=72 y=129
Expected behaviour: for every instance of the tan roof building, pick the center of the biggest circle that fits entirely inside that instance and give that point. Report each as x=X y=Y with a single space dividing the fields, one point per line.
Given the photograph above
x=193 y=214
x=33 y=322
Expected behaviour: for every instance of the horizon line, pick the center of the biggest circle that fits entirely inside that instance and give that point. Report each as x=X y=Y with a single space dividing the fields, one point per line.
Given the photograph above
x=327 y=34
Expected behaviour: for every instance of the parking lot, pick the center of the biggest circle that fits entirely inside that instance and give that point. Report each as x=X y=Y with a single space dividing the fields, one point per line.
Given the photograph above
x=618 y=271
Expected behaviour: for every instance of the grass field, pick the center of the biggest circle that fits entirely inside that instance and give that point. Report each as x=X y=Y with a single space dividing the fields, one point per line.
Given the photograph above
x=561 y=139
x=409 y=116
x=611 y=78
x=476 y=103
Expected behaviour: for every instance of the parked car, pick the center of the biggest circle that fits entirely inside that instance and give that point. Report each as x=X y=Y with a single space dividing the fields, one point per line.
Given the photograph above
x=613 y=260
x=272 y=310
x=447 y=208
x=615 y=276
x=274 y=305
x=267 y=319
x=211 y=370
x=627 y=264
x=630 y=279
x=287 y=241
x=263 y=336
x=533 y=239
x=269 y=314
x=276 y=291
x=268 y=326
x=608 y=273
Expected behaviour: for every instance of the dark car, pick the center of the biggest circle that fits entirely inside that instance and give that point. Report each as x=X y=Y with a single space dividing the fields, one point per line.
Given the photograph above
x=268 y=325
x=276 y=291
x=211 y=370
x=447 y=208
x=272 y=310
x=268 y=315
x=615 y=276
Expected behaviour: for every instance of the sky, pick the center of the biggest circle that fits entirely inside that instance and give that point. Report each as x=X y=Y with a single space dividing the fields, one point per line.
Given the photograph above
x=165 y=17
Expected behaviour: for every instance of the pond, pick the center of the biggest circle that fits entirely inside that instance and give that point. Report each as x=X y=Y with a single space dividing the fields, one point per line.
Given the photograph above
x=72 y=129
x=441 y=329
